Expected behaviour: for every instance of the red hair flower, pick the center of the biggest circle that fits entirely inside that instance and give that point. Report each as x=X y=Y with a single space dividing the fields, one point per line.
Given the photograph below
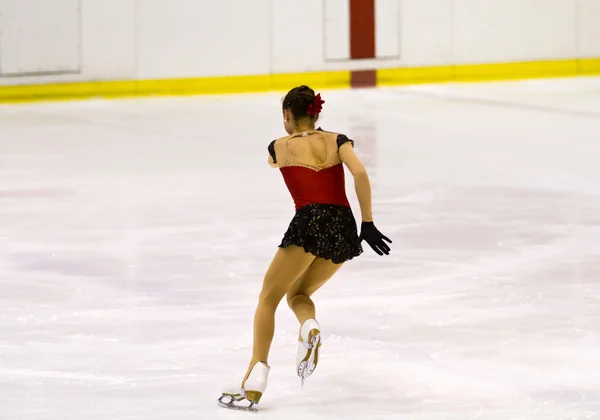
x=315 y=107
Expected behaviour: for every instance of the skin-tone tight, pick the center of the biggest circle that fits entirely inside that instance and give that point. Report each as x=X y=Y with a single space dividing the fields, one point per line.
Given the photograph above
x=295 y=274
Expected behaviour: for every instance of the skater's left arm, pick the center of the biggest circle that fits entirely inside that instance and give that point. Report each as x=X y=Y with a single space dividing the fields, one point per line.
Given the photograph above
x=362 y=185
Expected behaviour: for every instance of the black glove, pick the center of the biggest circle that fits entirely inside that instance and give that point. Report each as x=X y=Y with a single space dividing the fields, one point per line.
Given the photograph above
x=369 y=233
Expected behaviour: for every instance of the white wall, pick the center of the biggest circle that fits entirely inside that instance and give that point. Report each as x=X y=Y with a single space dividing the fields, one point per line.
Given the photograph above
x=109 y=39
x=183 y=38
x=514 y=30
x=155 y=39
x=52 y=24
x=588 y=28
x=427 y=32
x=106 y=39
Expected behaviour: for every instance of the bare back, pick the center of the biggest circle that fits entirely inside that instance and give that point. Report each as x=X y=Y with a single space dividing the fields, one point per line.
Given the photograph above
x=315 y=149
x=319 y=150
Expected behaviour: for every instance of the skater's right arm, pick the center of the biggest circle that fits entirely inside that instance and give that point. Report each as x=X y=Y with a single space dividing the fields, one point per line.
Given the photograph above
x=272 y=157
x=362 y=184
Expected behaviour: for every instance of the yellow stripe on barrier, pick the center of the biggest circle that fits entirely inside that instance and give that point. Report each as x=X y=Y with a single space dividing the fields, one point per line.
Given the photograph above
x=175 y=87
x=283 y=82
x=488 y=72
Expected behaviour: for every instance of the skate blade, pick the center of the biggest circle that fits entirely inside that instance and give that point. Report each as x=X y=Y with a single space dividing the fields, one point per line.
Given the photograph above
x=309 y=364
x=231 y=403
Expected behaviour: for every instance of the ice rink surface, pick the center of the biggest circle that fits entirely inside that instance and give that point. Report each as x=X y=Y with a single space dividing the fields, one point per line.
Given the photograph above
x=134 y=235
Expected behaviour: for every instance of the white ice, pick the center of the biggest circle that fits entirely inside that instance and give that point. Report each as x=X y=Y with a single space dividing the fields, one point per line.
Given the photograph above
x=134 y=235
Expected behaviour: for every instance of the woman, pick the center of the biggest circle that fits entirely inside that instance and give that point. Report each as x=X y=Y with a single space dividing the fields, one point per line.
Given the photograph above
x=320 y=238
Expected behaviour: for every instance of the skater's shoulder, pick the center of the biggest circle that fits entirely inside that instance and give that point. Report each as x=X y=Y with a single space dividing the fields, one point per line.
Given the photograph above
x=342 y=139
x=281 y=139
x=335 y=141
x=339 y=138
x=272 y=154
x=327 y=133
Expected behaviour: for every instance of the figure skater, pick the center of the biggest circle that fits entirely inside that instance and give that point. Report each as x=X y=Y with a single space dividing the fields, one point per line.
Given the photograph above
x=321 y=237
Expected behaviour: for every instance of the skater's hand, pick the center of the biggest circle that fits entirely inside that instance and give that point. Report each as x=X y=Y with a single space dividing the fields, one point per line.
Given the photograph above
x=375 y=239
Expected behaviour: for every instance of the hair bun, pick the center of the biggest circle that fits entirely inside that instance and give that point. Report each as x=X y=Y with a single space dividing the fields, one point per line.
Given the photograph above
x=300 y=101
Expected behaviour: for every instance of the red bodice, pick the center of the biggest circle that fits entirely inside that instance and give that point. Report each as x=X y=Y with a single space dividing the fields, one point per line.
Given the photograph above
x=308 y=186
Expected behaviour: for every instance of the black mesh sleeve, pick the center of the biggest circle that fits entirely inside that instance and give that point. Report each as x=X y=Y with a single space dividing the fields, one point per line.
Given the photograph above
x=342 y=139
x=271 y=149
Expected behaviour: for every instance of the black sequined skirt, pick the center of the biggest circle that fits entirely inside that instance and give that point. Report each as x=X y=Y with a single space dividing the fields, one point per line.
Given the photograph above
x=325 y=230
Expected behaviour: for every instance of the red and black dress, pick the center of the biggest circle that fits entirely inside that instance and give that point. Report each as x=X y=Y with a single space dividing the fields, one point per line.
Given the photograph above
x=323 y=224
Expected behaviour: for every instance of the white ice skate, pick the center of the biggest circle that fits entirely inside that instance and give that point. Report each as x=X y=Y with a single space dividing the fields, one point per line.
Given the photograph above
x=308 y=349
x=253 y=389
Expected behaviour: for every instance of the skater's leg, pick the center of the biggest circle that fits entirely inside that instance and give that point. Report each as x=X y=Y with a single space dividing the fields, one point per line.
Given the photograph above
x=298 y=296
x=287 y=265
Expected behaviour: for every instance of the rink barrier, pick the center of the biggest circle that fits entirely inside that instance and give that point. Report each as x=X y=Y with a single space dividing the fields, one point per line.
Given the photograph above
x=172 y=87
x=283 y=82
x=489 y=72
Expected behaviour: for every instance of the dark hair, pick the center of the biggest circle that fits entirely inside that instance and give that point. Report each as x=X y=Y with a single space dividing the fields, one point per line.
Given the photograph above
x=298 y=99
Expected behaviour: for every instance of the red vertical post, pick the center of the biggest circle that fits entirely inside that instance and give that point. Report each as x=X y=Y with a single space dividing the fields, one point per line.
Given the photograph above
x=362 y=29
x=362 y=40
